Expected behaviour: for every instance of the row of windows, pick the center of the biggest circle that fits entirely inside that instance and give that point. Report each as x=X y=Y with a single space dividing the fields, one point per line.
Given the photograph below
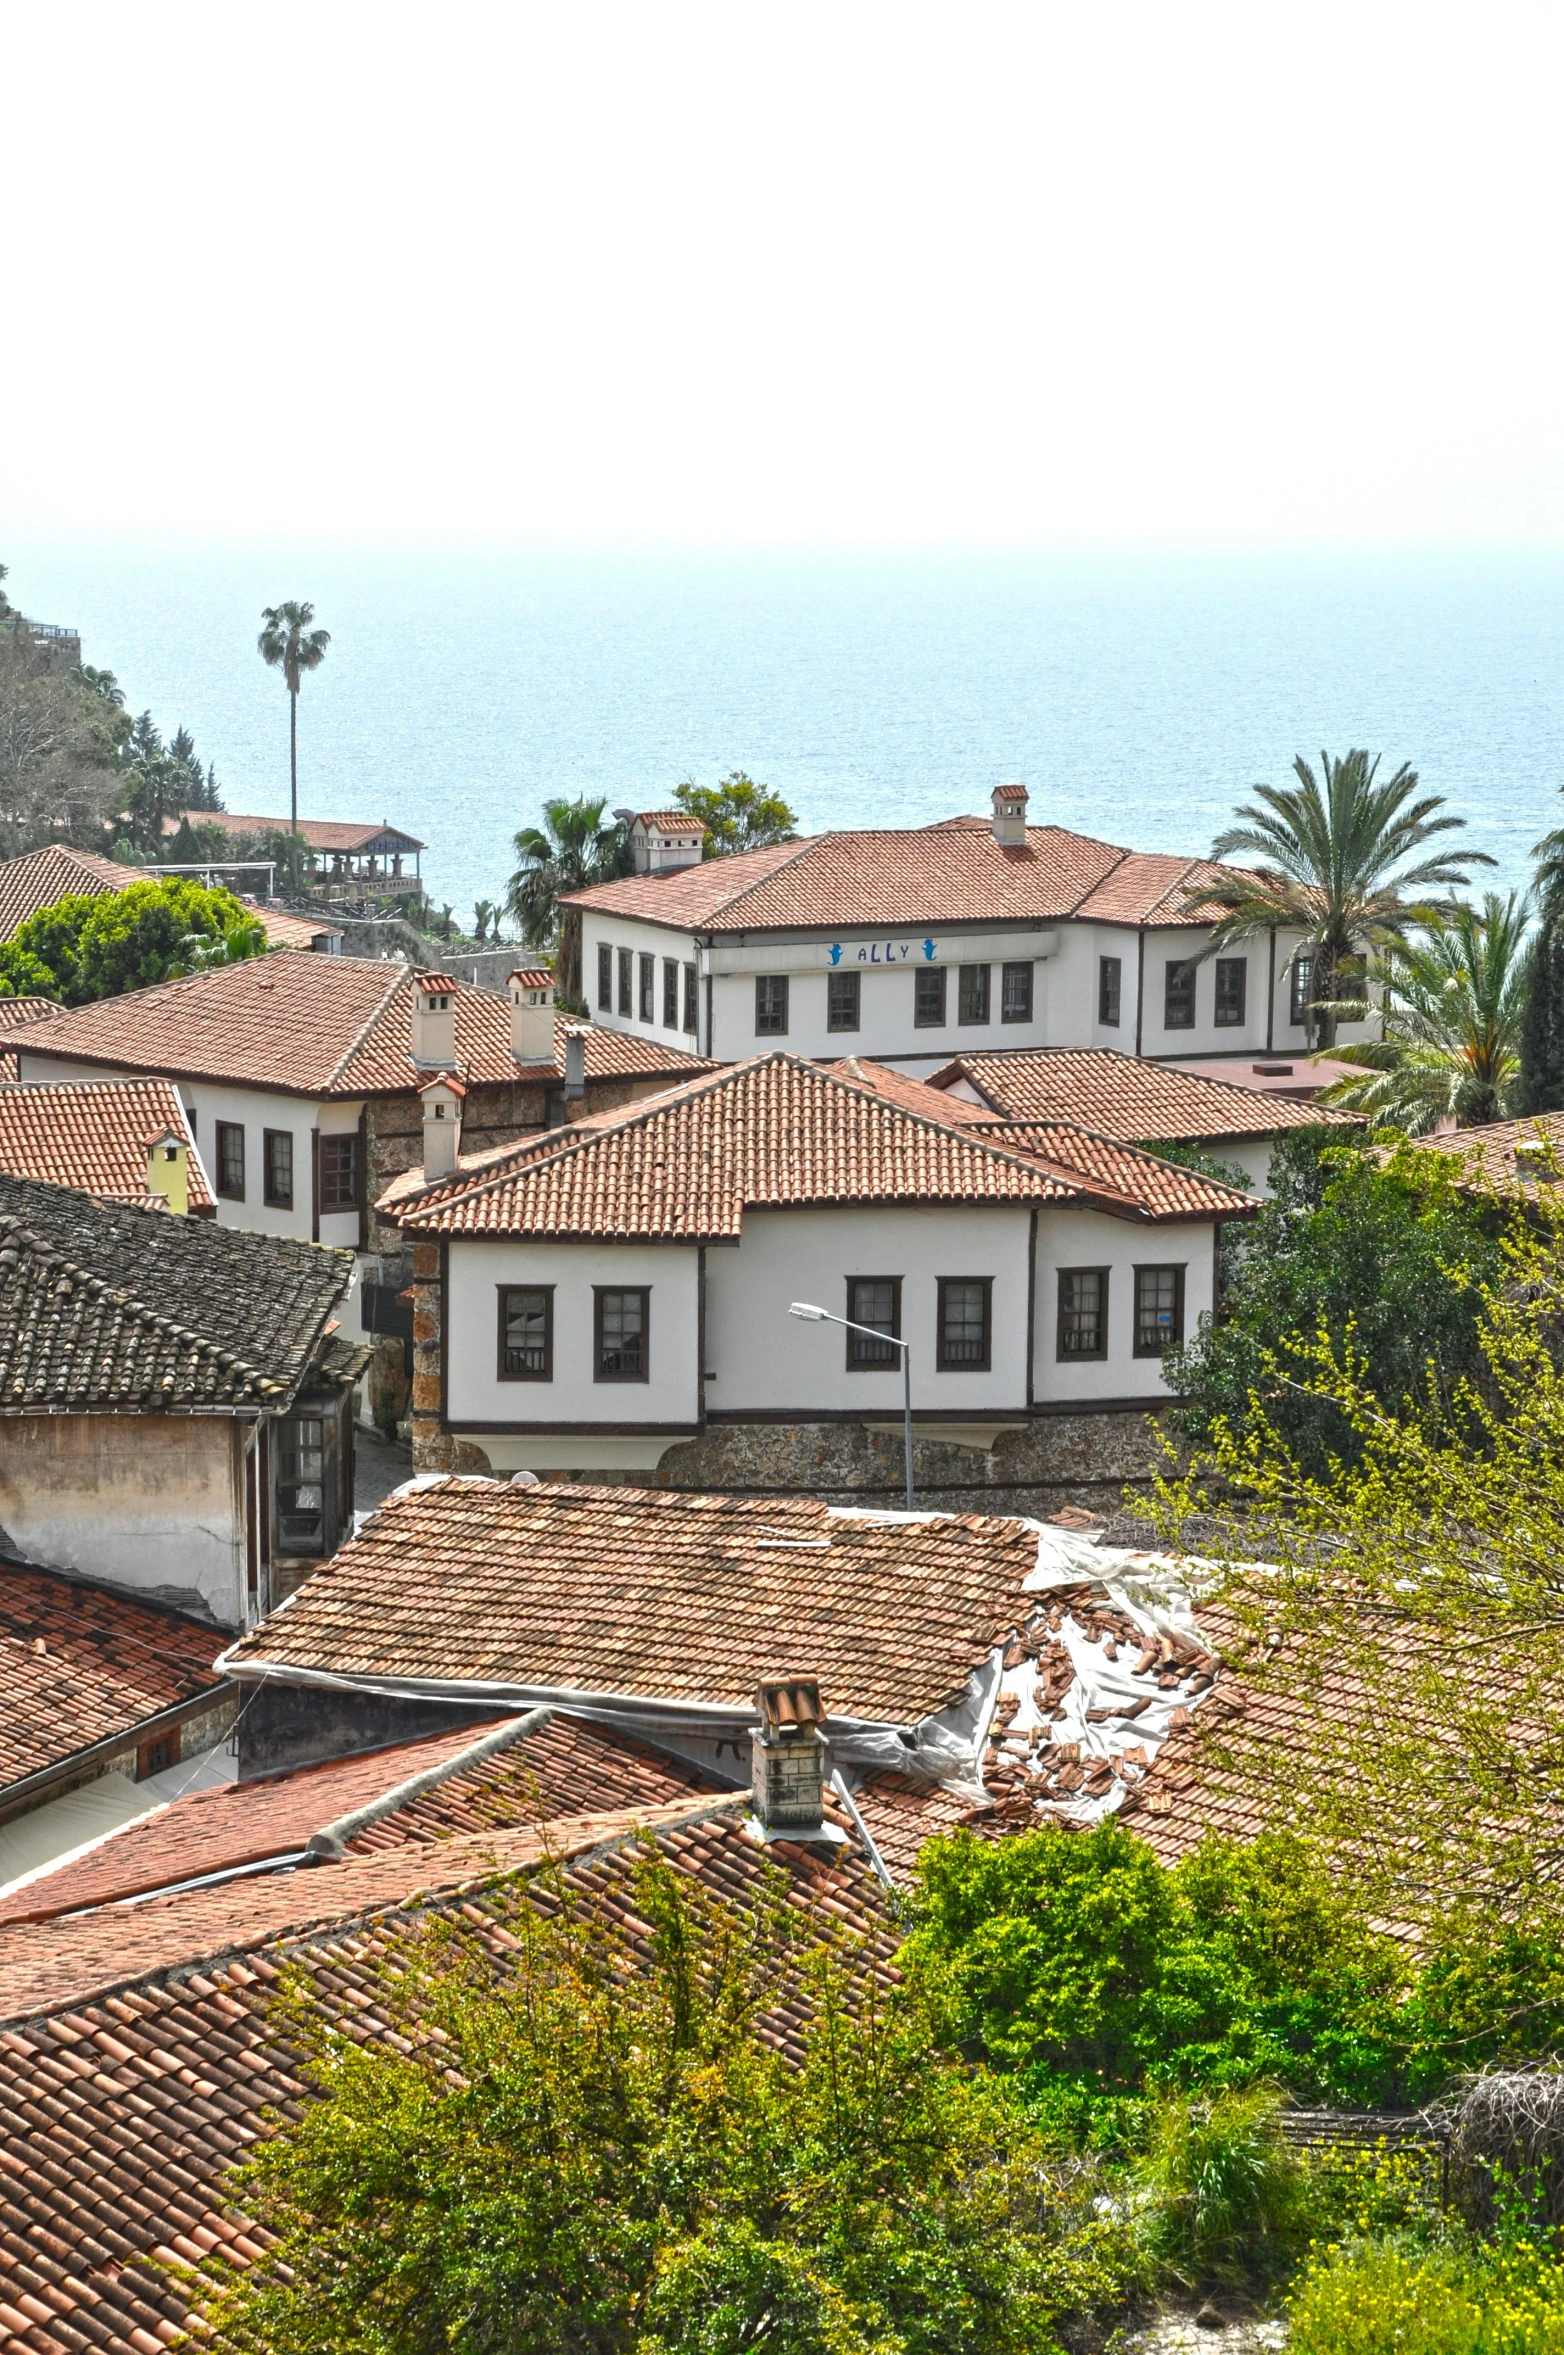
x=339 y=1167
x=1178 y=992
x=963 y=1323
x=930 y=998
x=636 y=994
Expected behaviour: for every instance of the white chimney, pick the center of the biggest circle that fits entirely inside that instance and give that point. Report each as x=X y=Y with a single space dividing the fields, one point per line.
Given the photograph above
x=434 y=1021
x=787 y=1759
x=442 y=1102
x=1010 y=815
x=575 y=1063
x=662 y=840
x=532 y=1014
x=168 y=1170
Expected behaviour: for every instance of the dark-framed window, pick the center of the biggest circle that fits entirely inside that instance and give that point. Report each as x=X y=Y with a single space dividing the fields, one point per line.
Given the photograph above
x=1178 y=994
x=1302 y=992
x=972 y=993
x=648 y=989
x=873 y=1301
x=928 y=997
x=626 y=981
x=1015 y=992
x=966 y=1324
x=1083 y=1313
x=771 y=1005
x=691 y=984
x=277 y=1168
x=526 y=1332
x=1159 y=1310
x=1110 y=990
x=670 y=993
x=621 y=1332
x=1232 y=990
x=230 y=1160
x=842 y=993
x=339 y=1173
x=605 y=978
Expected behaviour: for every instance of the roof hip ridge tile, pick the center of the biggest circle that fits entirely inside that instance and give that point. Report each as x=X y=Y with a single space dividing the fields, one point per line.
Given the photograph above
x=361 y=1036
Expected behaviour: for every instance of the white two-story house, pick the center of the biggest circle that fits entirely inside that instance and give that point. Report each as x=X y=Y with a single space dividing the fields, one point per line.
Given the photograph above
x=614 y=1301
x=913 y=945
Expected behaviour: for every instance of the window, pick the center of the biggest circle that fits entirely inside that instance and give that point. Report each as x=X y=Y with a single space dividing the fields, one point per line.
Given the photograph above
x=964 y=1319
x=972 y=994
x=841 y=1001
x=526 y=1332
x=301 y=1483
x=1110 y=982
x=619 y=1344
x=1015 y=993
x=277 y=1167
x=771 y=1005
x=230 y=1160
x=158 y=1755
x=339 y=1173
x=626 y=967
x=670 y=993
x=1159 y=1310
x=1302 y=987
x=1232 y=988
x=605 y=978
x=648 y=988
x=1083 y=1312
x=1178 y=994
x=928 y=997
x=690 y=1023
x=873 y=1301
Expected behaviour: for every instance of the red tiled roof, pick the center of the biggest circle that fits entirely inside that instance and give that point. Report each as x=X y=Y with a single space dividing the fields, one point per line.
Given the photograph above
x=285 y=931
x=1120 y=1096
x=319 y=833
x=78 y=1665
x=316 y=1026
x=671 y=821
x=16 y=1013
x=554 y=1592
x=94 y=1136
x=41 y=877
x=947 y=874
x=1488 y=1152
x=1159 y=1189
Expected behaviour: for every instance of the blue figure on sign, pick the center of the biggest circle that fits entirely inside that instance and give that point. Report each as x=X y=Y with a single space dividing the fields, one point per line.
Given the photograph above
x=928 y=951
x=836 y=952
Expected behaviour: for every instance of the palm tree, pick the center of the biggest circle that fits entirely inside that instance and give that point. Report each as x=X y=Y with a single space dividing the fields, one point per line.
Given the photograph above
x=572 y=849
x=288 y=644
x=1455 y=1003
x=1338 y=866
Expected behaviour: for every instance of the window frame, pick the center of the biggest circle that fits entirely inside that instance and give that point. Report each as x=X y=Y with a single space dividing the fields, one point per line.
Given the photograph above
x=764 y=1027
x=503 y=1372
x=1110 y=992
x=332 y=1143
x=874 y=1365
x=1007 y=972
x=1163 y=1267
x=670 y=993
x=225 y=1130
x=646 y=987
x=269 y=1195
x=1300 y=989
x=849 y=979
x=692 y=1001
x=1082 y=1357
x=983 y=976
x=1188 y=967
x=605 y=977
x=625 y=977
x=964 y=1365
x=600 y=1293
x=1232 y=1020
x=938 y=1020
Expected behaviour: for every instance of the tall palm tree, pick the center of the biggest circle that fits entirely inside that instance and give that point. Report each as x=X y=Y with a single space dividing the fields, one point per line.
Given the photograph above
x=1455 y=1003
x=1338 y=865
x=288 y=644
x=572 y=849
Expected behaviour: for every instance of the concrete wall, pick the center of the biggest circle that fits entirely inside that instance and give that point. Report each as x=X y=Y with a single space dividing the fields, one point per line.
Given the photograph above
x=1069 y=1238
x=152 y=1504
x=475 y=1393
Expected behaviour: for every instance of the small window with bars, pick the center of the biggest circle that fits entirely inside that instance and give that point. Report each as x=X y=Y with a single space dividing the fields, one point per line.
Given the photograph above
x=1015 y=993
x=691 y=981
x=875 y=1302
x=1110 y=986
x=277 y=1167
x=526 y=1332
x=965 y=1304
x=928 y=997
x=972 y=994
x=1232 y=990
x=626 y=981
x=648 y=989
x=230 y=1160
x=771 y=1005
x=620 y=1343
x=1083 y=1312
x=338 y=1173
x=842 y=1000
x=605 y=978
x=1178 y=994
x=1159 y=1310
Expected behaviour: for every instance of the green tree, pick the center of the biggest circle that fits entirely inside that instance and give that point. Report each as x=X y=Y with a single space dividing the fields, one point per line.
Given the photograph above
x=158 y=786
x=1540 y=1087
x=575 y=847
x=287 y=643
x=485 y=913
x=1455 y=1000
x=1339 y=864
x=738 y=814
x=84 y=948
x=59 y=744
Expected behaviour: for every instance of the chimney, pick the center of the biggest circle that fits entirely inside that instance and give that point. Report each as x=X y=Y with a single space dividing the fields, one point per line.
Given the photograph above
x=1010 y=816
x=575 y=1062
x=663 y=840
x=434 y=1021
x=442 y=1102
x=168 y=1170
x=788 y=1754
x=532 y=1014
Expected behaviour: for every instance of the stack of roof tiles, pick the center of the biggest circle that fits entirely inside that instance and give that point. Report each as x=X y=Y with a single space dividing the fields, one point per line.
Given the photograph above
x=93 y=1135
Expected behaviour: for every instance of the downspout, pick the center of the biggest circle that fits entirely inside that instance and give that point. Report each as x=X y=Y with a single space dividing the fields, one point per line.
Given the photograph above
x=1270 y=1000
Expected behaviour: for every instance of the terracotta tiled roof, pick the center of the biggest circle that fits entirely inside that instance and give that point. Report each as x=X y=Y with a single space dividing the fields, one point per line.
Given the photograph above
x=17 y=1013
x=1121 y=1096
x=671 y=821
x=319 y=833
x=41 y=877
x=949 y=874
x=315 y=1026
x=285 y=931
x=94 y=1136
x=78 y=1666
x=106 y=1306
x=552 y=1592
x=913 y=1095
x=132 y=2079
x=1488 y=1153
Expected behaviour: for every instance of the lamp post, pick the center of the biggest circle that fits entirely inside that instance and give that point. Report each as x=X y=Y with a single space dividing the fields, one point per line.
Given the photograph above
x=822 y=1316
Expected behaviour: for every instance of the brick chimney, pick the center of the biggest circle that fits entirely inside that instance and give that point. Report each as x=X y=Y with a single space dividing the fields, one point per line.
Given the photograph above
x=532 y=1014
x=1010 y=815
x=434 y=1021
x=788 y=1758
x=168 y=1170
x=662 y=840
x=442 y=1103
x=575 y=1063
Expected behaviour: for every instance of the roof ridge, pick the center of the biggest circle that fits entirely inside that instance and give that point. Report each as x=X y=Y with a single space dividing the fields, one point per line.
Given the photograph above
x=361 y=1036
x=805 y=842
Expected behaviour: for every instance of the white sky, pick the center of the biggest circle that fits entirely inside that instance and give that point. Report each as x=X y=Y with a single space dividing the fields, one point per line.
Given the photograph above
x=1054 y=273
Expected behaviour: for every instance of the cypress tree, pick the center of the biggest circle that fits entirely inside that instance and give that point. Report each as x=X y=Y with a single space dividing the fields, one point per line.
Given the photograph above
x=1542 y=1034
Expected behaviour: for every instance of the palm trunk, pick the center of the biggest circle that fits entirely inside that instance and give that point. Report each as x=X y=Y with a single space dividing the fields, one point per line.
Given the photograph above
x=293 y=782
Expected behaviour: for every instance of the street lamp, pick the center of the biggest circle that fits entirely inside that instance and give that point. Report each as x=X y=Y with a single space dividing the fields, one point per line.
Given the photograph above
x=822 y=1316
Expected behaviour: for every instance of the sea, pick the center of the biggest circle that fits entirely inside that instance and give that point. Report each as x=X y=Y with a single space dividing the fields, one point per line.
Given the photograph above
x=1140 y=697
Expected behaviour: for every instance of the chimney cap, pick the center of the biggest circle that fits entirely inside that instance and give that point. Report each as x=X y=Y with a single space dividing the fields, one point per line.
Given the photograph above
x=1012 y=793
x=533 y=977
x=443 y=1079
x=168 y=1136
x=437 y=984
x=790 y=1704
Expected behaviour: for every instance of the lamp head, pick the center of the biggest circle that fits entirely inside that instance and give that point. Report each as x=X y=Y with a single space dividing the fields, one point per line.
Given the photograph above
x=807 y=1310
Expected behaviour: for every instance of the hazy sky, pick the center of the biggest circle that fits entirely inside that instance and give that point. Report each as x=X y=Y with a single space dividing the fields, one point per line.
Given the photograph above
x=1050 y=273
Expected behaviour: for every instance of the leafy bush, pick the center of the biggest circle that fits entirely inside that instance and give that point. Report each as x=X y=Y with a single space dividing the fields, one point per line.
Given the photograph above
x=1385 y=2297
x=84 y=948
x=1222 y=2198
